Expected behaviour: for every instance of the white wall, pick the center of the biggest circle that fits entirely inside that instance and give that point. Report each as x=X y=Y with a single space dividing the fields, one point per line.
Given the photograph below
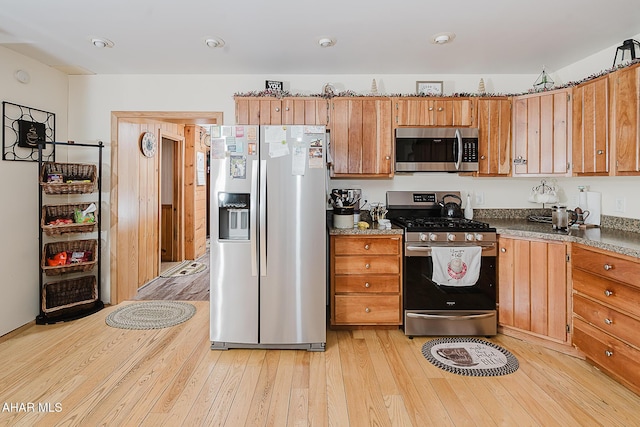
x=19 y=250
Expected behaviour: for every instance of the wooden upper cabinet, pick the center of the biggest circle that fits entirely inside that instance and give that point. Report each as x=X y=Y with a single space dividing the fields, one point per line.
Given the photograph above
x=285 y=111
x=624 y=119
x=590 y=151
x=361 y=137
x=542 y=133
x=494 y=136
x=431 y=111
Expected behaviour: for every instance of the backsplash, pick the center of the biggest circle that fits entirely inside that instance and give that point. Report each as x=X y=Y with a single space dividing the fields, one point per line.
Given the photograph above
x=617 y=223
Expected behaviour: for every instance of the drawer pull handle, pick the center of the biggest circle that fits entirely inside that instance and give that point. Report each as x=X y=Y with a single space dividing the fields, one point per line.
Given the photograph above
x=608 y=293
x=608 y=267
x=503 y=250
x=367 y=266
x=367 y=310
x=366 y=247
x=367 y=285
x=608 y=353
x=608 y=321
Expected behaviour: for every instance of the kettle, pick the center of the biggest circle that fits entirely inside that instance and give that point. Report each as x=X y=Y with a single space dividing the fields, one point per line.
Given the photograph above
x=451 y=209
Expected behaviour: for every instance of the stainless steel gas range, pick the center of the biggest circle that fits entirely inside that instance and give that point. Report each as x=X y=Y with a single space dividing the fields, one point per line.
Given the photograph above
x=449 y=274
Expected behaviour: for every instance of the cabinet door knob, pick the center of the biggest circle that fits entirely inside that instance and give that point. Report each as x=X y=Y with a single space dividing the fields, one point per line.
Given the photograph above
x=503 y=250
x=278 y=109
x=287 y=109
x=608 y=321
x=367 y=285
x=430 y=108
x=482 y=157
x=608 y=353
x=367 y=266
x=440 y=109
x=608 y=267
x=608 y=293
x=366 y=247
x=367 y=310
x=600 y=152
x=387 y=157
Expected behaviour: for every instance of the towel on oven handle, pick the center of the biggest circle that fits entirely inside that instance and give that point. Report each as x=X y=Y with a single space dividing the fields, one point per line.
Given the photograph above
x=456 y=266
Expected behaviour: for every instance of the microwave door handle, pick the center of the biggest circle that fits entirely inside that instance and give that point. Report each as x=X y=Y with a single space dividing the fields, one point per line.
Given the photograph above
x=459 y=156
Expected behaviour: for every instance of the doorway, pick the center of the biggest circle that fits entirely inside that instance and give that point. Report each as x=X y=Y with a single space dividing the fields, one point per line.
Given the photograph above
x=171 y=200
x=135 y=220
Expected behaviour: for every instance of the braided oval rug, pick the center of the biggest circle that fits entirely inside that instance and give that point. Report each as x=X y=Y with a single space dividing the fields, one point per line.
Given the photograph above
x=150 y=315
x=470 y=356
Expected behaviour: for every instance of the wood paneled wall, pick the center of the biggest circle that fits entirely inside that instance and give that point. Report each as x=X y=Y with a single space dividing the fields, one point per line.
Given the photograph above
x=135 y=217
x=195 y=196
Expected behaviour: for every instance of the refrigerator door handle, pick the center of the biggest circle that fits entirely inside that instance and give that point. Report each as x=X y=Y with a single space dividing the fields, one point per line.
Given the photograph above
x=253 y=220
x=263 y=217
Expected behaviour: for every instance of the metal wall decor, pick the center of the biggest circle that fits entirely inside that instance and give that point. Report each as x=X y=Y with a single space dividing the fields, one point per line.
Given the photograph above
x=23 y=129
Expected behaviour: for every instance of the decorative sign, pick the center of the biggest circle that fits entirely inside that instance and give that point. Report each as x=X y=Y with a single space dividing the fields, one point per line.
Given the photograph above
x=25 y=130
x=273 y=85
x=29 y=133
x=429 y=88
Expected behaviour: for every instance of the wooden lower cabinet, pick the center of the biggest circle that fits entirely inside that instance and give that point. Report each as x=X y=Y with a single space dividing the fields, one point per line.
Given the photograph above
x=533 y=291
x=606 y=312
x=366 y=280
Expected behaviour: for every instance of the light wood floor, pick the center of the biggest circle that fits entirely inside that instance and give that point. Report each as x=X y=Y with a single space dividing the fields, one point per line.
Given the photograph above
x=91 y=374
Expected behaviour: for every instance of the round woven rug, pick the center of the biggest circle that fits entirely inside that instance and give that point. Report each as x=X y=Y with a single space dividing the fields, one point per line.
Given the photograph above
x=470 y=356
x=151 y=315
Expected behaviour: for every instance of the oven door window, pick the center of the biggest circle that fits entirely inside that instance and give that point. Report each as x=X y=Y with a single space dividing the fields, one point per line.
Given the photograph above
x=421 y=293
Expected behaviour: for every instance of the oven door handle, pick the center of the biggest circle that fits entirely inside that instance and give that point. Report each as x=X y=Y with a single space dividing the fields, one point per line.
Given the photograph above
x=439 y=316
x=426 y=250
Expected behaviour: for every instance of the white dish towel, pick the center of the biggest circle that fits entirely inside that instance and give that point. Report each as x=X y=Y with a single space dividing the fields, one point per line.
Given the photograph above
x=456 y=266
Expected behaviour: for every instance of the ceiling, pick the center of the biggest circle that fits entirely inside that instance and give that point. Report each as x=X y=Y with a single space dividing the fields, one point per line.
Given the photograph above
x=281 y=36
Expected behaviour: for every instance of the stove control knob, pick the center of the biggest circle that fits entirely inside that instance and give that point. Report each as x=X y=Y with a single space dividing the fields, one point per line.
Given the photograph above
x=433 y=237
x=469 y=237
x=423 y=237
x=451 y=237
x=479 y=237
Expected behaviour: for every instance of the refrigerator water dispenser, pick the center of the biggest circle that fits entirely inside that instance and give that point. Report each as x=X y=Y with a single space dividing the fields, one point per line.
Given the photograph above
x=234 y=216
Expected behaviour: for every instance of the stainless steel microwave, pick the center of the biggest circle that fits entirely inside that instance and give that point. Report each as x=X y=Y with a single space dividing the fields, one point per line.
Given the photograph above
x=436 y=149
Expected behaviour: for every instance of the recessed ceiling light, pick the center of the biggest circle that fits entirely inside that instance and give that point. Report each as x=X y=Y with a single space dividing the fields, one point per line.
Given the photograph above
x=442 y=38
x=326 y=42
x=101 y=43
x=214 y=42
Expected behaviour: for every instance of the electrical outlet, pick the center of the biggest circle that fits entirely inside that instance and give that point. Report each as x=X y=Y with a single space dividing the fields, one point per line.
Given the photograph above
x=620 y=204
x=479 y=198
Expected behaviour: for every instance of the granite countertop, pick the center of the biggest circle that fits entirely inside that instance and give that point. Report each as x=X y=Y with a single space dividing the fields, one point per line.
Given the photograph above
x=618 y=241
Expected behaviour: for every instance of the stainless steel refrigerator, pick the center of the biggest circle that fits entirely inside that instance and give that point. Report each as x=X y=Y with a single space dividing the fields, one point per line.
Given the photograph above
x=268 y=237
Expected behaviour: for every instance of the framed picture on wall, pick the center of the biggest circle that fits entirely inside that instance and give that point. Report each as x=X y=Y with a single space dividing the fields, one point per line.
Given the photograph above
x=429 y=88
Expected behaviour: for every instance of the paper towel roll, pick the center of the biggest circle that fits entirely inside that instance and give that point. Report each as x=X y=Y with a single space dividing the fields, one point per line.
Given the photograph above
x=582 y=200
x=594 y=206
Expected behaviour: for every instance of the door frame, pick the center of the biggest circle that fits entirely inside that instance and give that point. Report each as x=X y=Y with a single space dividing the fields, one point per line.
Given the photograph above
x=119 y=290
x=177 y=239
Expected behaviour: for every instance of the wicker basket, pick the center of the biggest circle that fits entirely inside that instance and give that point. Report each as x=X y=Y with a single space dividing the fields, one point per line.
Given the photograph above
x=50 y=249
x=69 y=293
x=53 y=212
x=76 y=172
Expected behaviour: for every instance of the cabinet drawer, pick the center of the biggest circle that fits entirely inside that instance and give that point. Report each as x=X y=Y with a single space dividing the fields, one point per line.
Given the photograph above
x=371 y=310
x=367 y=283
x=626 y=298
x=604 y=265
x=367 y=265
x=612 y=355
x=367 y=246
x=609 y=320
